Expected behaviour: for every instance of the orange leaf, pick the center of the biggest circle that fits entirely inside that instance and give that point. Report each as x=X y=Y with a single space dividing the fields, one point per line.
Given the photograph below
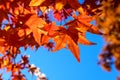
x=82 y=40
x=60 y=42
x=51 y=29
x=74 y=48
x=94 y=30
x=36 y=24
x=45 y=39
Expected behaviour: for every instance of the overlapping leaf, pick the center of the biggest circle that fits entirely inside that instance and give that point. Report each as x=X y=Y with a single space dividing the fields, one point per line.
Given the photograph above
x=35 y=24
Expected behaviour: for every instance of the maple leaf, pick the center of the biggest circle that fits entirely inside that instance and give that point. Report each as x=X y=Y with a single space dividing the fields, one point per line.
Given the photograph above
x=36 y=24
x=44 y=39
x=74 y=48
x=66 y=37
x=81 y=24
x=51 y=29
x=63 y=41
x=60 y=42
x=94 y=30
x=77 y=32
x=85 y=22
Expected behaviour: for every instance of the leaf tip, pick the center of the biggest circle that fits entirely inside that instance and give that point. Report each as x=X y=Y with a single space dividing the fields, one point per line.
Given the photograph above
x=78 y=60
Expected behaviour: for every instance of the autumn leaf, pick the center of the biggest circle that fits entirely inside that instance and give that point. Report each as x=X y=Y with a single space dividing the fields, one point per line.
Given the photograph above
x=82 y=24
x=36 y=2
x=36 y=24
x=81 y=10
x=59 y=4
x=94 y=30
x=51 y=29
x=44 y=39
x=74 y=48
x=82 y=40
x=61 y=42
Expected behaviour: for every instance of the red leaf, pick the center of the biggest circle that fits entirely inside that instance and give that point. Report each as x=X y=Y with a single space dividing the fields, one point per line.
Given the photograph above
x=58 y=16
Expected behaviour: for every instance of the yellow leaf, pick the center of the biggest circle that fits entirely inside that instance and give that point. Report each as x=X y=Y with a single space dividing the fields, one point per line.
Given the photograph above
x=81 y=10
x=7 y=28
x=60 y=4
x=36 y=2
x=43 y=8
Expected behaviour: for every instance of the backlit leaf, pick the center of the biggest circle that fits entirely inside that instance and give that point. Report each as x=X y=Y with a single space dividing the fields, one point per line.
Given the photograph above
x=60 y=4
x=36 y=2
x=84 y=41
x=74 y=48
x=60 y=42
x=35 y=24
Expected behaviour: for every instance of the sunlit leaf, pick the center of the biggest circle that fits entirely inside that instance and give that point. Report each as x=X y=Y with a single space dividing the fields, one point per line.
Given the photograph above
x=36 y=2
x=59 y=4
x=74 y=48
x=82 y=40
x=60 y=42
x=35 y=24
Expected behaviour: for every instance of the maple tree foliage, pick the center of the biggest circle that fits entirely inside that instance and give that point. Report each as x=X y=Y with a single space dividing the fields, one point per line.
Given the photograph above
x=26 y=23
